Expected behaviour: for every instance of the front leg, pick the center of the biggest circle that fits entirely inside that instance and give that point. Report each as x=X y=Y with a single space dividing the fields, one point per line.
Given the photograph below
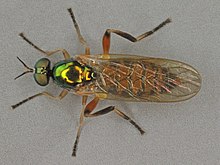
x=47 y=53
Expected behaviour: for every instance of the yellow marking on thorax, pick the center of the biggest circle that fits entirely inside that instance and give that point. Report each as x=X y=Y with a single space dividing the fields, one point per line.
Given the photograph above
x=87 y=76
x=64 y=76
x=80 y=74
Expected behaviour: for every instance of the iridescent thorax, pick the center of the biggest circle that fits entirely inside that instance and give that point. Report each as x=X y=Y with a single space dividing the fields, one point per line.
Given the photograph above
x=69 y=73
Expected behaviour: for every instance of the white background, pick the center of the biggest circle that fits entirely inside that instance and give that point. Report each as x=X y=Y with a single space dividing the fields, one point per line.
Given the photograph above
x=42 y=131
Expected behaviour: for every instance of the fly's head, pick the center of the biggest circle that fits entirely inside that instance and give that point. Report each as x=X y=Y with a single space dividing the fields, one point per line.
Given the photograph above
x=41 y=70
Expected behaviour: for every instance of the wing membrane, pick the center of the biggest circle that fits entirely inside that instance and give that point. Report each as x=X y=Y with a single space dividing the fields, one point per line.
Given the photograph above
x=137 y=78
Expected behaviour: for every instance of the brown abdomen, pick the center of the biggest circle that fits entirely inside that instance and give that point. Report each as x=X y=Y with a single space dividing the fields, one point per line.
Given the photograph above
x=136 y=79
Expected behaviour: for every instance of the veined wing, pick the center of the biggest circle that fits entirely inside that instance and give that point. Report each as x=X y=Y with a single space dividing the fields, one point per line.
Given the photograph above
x=138 y=78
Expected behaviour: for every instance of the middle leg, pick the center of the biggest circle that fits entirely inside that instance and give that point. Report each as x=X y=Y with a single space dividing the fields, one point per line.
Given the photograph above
x=62 y=94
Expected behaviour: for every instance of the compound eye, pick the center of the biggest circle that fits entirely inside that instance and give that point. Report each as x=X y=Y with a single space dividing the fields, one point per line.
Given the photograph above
x=42 y=68
x=41 y=79
x=42 y=63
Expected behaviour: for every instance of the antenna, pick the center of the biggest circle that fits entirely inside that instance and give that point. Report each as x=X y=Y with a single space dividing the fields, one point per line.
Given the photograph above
x=29 y=70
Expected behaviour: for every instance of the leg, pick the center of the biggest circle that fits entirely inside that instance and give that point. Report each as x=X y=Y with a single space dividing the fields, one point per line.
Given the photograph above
x=81 y=123
x=80 y=37
x=47 y=53
x=87 y=112
x=118 y=112
x=107 y=36
x=91 y=106
x=59 y=97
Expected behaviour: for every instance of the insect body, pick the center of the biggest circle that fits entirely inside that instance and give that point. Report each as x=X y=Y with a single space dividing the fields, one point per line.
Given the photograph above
x=114 y=76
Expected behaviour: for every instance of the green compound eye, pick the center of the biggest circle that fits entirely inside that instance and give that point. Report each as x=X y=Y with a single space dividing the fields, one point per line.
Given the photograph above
x=42 y=80
x=42 y=63
x=42 y=68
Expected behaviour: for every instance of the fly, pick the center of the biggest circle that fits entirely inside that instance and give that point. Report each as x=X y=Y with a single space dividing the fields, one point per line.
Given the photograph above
x=113 y=76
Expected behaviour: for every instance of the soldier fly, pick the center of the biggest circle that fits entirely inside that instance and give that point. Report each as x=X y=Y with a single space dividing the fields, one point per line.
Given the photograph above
x=113 y=76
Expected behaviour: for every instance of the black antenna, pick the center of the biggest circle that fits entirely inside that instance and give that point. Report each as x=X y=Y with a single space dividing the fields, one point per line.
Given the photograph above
x=29 y=70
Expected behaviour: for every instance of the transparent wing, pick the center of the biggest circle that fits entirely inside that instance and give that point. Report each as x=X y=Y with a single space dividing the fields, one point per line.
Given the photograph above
x=137 y=78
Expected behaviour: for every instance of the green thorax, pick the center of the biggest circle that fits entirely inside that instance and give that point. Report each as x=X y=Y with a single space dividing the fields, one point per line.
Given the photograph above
x=69 y=73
